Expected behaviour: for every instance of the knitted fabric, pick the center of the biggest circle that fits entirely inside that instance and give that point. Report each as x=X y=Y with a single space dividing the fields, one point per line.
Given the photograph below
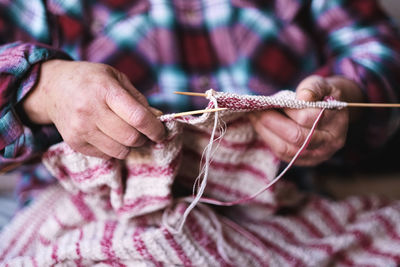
x=110 y=212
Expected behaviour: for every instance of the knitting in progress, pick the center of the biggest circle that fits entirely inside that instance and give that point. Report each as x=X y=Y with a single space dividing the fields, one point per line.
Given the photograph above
x=143 y=212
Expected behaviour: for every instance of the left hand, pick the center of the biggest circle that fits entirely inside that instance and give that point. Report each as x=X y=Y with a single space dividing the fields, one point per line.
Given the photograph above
x=285 y=131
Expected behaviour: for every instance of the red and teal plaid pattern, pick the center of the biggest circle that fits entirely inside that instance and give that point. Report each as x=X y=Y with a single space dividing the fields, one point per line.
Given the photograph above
x=241 y=46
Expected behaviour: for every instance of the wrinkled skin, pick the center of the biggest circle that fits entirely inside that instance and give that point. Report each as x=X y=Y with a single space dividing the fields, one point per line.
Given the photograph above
x=284 y=131
x=97 y=111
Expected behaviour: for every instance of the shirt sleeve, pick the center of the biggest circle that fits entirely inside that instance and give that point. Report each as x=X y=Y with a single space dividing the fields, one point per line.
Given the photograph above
x=357 y=40
x=19 y=71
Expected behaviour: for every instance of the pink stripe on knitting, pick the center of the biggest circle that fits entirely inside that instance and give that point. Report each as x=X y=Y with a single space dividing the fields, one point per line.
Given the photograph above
x=328 y=216
x=289 y=258
x=177 y=248
x=31 y=238
x=107 y=244
x=204 y=240
x=78 y=261
x=54 y=253
x=152 y=170
x=142 y=201
x=61 y=224
x=290 y=237
x=352 y=213
x=365 y=242
x=140 y=246
x=389 y=227
x=242 y=247
x=383 y=254
x=228 y=167
x=91 y=173
x=252 y=144
x=223 y=191
x=44 y=241
x=34 y=262
x=59 y=151
x=312 y=229
x=83 y=209
x=347 y=261
x=21 y=231
x=220 y=191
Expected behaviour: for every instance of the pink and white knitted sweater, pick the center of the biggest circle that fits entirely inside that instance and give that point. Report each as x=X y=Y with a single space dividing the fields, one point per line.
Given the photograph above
x=110 y=212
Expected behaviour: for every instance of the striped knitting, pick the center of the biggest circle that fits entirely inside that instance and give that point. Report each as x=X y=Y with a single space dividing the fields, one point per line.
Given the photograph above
x=282 y=99
x=109 y=212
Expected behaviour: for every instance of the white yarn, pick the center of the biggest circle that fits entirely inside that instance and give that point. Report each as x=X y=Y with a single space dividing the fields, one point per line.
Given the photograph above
x=208 y=155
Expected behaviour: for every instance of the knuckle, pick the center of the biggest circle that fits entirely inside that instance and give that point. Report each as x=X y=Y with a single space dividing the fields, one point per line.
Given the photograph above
x=88 y=135
x=296 y=137
x=122 y=76
x=112 y=95
x=303 y=118
x=283 y=151
x=109 y=70
x=122 y=153
x=338 y=143
x=72 y=142
x=83 y=107
x=132 y=138
x=78 y=127
x=137 y=117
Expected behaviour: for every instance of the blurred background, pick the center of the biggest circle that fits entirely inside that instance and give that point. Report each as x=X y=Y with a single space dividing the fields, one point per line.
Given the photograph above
x=380 y=174
x=392 y=7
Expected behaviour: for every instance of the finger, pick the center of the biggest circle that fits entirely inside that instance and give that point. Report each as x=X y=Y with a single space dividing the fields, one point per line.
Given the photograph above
x=117 y=129
x=290 y=131
x=282 y=149
x=156 y=112
x=89 y=150
x=313 y=88
x=107 y=145
x=126 y=83
x=135 y=114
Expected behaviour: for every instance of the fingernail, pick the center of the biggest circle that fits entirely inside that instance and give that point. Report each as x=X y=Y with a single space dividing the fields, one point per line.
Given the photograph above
x=307 y=95
x=156 y=112
x=253 y=116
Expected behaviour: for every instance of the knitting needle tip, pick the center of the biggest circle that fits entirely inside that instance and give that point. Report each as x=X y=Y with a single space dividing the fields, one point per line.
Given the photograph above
x=190 y=93
x=197 y=112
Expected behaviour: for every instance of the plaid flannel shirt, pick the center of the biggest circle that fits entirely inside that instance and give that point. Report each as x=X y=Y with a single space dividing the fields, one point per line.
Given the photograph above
x=242 y=46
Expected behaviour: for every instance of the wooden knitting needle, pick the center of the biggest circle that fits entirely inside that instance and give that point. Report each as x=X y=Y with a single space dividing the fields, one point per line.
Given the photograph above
x=374 y=105
x=190 y=93
x=364 y=105
x=197 y=112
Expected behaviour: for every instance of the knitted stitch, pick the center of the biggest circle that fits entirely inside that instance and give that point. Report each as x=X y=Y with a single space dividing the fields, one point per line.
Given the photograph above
x=110 y=211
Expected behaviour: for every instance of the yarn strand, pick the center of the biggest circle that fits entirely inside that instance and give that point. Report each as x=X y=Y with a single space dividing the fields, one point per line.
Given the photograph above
x=277 y=178
x=208 y=153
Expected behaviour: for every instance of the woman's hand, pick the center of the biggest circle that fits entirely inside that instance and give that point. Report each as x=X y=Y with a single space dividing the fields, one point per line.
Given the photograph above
x=284 y=131
x=95 y=108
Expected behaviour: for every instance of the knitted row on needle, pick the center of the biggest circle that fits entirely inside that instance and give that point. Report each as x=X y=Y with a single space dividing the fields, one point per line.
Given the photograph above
x=282 y=99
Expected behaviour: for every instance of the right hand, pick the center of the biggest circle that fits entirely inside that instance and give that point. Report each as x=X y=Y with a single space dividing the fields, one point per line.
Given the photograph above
x=96 y=109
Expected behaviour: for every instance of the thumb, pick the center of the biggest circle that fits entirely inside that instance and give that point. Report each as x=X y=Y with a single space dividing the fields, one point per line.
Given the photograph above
x=313 y=88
